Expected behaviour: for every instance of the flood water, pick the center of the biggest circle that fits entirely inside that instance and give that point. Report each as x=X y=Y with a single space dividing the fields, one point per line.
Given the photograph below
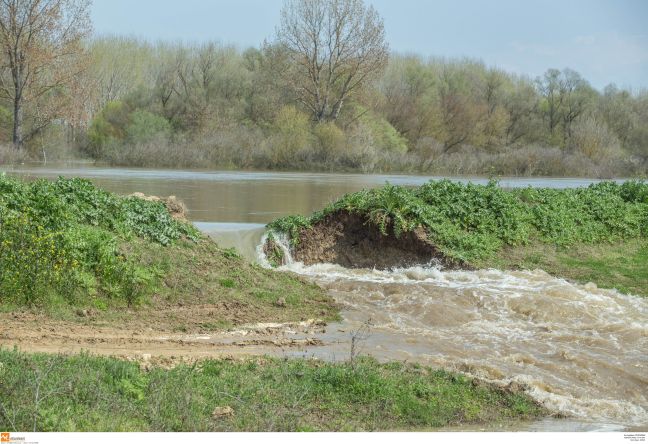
x=251 y=197
x=577 y=349
x=580 y=350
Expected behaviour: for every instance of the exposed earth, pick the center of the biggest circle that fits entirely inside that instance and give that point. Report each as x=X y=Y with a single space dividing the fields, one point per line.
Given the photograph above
x=349 y=240
x=150 y=338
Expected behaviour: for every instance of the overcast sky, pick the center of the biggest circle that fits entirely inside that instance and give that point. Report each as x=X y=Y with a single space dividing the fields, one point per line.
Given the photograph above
x=605 y=40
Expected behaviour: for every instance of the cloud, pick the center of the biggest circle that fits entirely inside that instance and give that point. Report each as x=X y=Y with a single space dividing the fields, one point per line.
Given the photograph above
x=602 y=58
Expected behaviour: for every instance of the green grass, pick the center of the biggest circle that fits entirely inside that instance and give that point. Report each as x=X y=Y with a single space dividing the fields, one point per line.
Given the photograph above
x=86 y=393
x=573 y=232
x=200 y=273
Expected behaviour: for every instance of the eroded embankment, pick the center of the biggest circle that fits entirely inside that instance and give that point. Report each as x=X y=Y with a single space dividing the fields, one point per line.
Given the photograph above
x=352 y=241
x=574 y=347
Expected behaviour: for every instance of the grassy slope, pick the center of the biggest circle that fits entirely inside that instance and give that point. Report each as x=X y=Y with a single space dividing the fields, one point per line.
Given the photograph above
x=84 y=393
x=67 y=246
x=203 y=274
x=598 y=233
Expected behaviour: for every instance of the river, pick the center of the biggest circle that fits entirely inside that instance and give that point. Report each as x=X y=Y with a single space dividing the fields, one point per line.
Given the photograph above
x=578 y=349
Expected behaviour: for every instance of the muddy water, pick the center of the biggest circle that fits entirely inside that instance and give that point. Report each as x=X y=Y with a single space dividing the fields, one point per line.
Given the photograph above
x=577 y=349
x=250 y=197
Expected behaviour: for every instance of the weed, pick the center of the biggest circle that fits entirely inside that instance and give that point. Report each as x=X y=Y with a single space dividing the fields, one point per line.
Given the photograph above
x=61 y=240
x=227 y=283
x=469 y=222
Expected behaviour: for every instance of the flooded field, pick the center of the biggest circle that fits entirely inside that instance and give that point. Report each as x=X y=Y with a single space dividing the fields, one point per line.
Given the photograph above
x=578 y=349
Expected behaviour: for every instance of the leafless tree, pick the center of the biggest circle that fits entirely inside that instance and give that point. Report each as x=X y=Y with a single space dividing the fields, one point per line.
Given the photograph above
x=334 y=48
x=42 y=45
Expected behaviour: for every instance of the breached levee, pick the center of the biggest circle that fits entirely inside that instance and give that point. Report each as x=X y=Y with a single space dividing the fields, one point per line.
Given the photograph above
x=578 y=350
x=350 y=240
x=433 y=296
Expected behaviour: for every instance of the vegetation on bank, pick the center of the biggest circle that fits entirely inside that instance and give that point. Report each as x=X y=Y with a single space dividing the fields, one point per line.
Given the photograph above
x=332 y=102
x=66 y=244
x=481 y=226
x=85 y=393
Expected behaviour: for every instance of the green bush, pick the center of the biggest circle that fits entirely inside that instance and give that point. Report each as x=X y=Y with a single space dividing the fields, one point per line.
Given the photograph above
x=331 y=141
x=291 y=133
x=145 y=127
x=108 y=126
x=384 y=135
x=61 y=241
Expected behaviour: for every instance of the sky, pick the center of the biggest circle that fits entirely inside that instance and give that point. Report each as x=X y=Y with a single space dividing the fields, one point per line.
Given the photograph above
x=604 y=40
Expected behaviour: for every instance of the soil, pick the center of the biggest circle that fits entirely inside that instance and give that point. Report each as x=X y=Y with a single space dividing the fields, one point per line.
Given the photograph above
x=148 y=340
x=351 y=241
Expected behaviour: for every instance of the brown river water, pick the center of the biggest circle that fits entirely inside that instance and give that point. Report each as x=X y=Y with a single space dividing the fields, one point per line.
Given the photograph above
x=579 y=350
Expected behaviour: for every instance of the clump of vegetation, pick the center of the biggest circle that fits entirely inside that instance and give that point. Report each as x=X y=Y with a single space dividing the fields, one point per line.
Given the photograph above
x=60 y=242
x=84 y=393
x=470 y=223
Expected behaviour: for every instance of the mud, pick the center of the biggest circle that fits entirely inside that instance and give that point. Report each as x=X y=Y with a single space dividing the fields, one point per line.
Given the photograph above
x=152 y=345
x=351 y=241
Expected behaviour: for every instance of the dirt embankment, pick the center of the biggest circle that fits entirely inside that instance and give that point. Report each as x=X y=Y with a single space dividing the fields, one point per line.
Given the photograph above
x=350 y=240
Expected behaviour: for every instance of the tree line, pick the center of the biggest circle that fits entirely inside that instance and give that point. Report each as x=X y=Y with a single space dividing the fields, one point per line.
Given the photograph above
x=324 y=93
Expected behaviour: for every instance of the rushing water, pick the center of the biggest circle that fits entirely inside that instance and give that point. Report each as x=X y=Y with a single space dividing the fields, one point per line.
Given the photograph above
x=578 y=349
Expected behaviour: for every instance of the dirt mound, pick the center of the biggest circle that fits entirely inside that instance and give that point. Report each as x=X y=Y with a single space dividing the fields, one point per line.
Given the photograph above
x=350 y=240
x=175 y=206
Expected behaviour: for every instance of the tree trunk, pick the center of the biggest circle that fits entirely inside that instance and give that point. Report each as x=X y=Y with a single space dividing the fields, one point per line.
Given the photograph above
x=17 y=125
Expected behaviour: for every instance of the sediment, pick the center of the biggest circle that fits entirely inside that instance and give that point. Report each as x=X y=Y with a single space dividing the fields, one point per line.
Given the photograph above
x=350 y=240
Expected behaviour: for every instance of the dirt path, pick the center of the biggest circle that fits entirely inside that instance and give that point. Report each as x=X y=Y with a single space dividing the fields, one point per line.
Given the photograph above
x=151 y=342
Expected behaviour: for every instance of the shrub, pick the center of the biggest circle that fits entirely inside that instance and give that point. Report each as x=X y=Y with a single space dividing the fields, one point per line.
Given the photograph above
x=331 y=141
x=145 y=127
x=107 y=127
x=291 y=134
x=61 y=241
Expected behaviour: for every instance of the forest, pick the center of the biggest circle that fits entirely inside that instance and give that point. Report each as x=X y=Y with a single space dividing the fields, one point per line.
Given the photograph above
x=325 y=93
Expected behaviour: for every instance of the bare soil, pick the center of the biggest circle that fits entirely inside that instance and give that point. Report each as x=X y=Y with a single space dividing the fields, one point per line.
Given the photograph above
x=148 y=339
x=351 y=241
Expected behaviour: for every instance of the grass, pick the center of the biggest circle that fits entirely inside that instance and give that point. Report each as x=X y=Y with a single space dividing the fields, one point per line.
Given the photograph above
x=236 y=291
x=85 y=393
x=579 y=233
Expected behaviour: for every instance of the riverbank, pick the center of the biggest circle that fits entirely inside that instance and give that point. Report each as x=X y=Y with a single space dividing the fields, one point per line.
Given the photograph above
x=597 y=233
x=435 y=318
x=75 y=252
x=84 y=269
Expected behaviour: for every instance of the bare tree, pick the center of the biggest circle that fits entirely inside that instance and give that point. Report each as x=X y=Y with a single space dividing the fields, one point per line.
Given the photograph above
x=41 y=42
x=566 y=96
x=334 y=48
